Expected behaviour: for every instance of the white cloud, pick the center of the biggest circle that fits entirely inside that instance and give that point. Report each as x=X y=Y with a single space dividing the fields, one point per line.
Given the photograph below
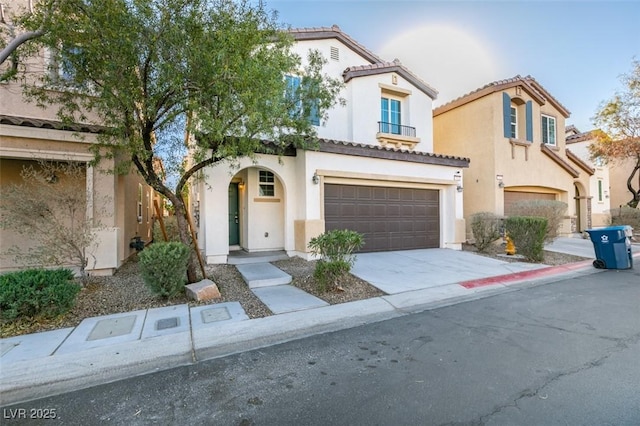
x=449 y=59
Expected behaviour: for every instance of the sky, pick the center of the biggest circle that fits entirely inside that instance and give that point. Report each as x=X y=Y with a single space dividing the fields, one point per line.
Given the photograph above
x=577 y=50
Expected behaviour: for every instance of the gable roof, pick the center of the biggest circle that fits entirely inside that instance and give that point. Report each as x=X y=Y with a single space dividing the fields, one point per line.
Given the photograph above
x=323 y=33
x=559 y=160
x=376 y=64
x=580 y=163
x=528 y=83
x=386 y=67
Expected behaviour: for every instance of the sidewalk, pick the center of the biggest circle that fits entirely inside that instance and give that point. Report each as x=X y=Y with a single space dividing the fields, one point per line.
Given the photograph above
x=114 y=347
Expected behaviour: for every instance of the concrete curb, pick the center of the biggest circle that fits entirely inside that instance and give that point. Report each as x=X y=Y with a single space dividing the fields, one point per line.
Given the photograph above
x=27 y=380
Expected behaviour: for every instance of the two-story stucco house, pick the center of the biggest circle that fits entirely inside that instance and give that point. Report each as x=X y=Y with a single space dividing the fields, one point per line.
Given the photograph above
x=121 y=206
x=598 y=203
x=375 y=170
x=514 y=133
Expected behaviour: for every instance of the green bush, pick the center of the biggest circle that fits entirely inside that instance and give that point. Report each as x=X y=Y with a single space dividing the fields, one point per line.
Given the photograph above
x=486 y=229
x=335 y=249
x=164 y=267
x=626 y=215
x=551 y=210
x=527 y=234
x=37 y=292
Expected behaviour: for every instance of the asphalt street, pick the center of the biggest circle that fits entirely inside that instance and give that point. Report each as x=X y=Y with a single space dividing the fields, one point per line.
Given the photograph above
x=561 y=353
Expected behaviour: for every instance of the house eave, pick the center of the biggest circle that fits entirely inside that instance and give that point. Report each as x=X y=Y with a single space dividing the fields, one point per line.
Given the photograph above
x=559 y=160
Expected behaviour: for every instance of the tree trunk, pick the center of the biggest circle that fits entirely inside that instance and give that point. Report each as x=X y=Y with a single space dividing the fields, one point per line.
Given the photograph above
x=185 y=237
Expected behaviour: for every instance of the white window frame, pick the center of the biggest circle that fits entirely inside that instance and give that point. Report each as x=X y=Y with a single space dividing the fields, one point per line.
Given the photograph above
x=513 y=125
x=266 y=183
x=139 y=204
x=547 y=135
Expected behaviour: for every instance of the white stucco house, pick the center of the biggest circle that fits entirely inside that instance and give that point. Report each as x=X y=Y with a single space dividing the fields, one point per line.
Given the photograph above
x=598 y=203
x=374 y=170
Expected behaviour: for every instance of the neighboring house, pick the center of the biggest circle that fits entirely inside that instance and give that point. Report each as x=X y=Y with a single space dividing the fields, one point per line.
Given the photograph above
x=375 y=170
x=122 y=205
x=597 y=212
x=513 y=131
x=619 y=173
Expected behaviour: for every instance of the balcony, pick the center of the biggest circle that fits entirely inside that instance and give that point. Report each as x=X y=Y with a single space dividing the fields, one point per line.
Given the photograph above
x=397 y=136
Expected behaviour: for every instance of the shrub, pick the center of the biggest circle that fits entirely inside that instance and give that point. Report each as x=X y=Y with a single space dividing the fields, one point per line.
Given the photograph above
x=335 y=249
x=551 y=210
x=163 y=267
x=527 y=234
x=486 y=229
x=170 y=226
x=37 y=292
x=626 y=215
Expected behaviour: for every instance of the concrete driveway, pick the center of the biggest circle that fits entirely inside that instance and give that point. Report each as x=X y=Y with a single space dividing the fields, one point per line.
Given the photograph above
x=400 y=271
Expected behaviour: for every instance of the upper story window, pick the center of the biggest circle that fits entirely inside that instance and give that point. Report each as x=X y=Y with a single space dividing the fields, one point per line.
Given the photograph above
x=292 y=94
x=599 y=190
x=517 y=117
x=266 y=184
x=514 y=122
x=390 y=115
x=548 y=130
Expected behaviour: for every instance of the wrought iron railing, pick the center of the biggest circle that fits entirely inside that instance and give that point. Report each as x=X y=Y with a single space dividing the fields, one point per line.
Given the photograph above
x=396 y=129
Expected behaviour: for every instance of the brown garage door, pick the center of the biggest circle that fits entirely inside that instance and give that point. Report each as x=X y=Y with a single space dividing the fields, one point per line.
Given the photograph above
x=389 y=218
x=512 y=197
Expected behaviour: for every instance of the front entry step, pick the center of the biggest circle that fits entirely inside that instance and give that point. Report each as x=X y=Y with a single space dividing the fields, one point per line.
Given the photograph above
x=241 y=257
x=263 y=275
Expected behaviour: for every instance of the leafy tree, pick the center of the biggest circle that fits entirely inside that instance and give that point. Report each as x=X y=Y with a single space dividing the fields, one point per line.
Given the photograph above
x=211 y=70
x=48 y=206
x=619 y=138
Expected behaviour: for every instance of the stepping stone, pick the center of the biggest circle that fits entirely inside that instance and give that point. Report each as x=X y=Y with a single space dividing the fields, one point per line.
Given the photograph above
x=263 y=275
x=287 y=298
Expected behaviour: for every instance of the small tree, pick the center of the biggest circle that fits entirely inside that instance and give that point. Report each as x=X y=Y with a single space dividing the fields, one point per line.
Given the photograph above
x=212 y=70
x=48 y=207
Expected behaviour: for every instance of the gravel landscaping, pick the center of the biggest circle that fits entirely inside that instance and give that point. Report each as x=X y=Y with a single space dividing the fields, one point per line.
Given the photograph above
x=125 y=291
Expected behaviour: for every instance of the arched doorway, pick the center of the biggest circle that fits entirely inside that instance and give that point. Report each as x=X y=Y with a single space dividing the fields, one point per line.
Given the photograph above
x=256 y=210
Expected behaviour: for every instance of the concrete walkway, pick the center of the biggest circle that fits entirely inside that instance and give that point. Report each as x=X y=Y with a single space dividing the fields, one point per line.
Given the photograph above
x=122 y=345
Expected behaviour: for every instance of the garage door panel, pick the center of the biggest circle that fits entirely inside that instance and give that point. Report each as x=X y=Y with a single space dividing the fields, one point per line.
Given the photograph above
x=512 y=197
x=389 y=218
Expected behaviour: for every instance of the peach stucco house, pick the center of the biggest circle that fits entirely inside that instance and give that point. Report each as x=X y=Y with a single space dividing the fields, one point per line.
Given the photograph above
x=375 y=170
x=513 y=131
x=29 y=133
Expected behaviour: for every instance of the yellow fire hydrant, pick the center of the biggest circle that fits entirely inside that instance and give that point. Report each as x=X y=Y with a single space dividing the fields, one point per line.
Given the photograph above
x=510 y=248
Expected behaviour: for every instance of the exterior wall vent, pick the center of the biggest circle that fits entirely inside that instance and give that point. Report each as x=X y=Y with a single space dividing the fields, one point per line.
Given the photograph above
x=335 y=53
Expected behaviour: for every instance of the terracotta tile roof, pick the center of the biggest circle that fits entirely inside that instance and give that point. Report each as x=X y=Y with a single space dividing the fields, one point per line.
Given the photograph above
x=559 y=160
x=528 y=83
x=581 y=137
x=389 y=153
x=386 y=67
x=580 y=163
x=334 y=31
x=50 y=124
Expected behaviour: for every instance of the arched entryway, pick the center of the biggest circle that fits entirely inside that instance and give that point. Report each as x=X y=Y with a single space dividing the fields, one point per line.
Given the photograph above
x=582 y=208
x=256 y=211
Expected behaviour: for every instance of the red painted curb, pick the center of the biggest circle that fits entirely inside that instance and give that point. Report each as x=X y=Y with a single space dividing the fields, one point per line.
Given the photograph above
x=518 y=276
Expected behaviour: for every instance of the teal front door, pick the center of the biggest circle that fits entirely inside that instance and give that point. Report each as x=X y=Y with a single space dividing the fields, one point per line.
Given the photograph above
x=234 y=218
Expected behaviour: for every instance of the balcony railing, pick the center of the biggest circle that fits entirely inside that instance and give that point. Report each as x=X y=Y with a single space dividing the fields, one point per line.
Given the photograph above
x=396 y=129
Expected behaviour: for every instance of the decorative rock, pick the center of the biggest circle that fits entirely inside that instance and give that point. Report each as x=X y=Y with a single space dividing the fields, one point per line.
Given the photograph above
x=203 y=290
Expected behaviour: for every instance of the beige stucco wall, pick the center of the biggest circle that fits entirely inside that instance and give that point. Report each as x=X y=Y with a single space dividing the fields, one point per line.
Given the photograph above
x=619 y=172
x=475 y=130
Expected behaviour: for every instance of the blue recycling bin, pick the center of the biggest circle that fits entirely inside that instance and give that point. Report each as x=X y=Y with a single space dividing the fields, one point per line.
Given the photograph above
x=612 y=246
